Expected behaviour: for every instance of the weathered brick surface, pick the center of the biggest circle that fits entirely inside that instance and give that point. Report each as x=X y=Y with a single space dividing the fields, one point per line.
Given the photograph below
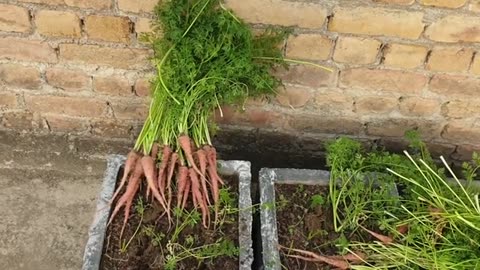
x=294 y=97
x=7 y=101
x=462 y=131
x=397 y=82
x=450 y=59
x=128 y=58
x=279 y=12
x=405 y=56
x=108 y=28
x=88 y=4
x=396 y=2
x=396 y=127
x=143 y=25
x=61 y=123
x=356 y=50
x=307 y=75
x=142 y=87
x=312 y=123
x=475 y=69
x=111 y=128
x=58 y=23
x=137 y=6
x=128 y=110
x=71 y=106
x=117 y=86
x=474 y=6
x=14 y=19
x=444 y=3
x=461 y=109
x=333 y=103
x=377 y=21
x=26 y=50
x=455 y=85
x=309 y=46
x=455 y=28
x=375 y=104
x=465 y=152
x=419 y=107
x=20 y=76
x=252 y=116
x=19 y=120
x=68 y=79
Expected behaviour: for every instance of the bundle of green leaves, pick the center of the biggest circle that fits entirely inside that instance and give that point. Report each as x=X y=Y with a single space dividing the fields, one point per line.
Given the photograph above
x=205 y=58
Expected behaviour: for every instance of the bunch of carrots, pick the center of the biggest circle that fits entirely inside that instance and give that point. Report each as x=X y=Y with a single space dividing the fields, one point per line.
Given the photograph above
x=204 y=56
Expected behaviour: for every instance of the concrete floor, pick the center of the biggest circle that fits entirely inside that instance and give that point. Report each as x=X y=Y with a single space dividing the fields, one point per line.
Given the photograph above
x=48 y=190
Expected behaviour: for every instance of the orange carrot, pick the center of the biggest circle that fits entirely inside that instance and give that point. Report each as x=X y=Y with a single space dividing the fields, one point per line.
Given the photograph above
x=382 y=238
x=340 y=264
x=166 y=153
x=212 y=153
x=182 y=179
x=130 y=163
x=215 y=190
x=198 y=195
x=202 y=162
x=402 y=229
x=184 y=142
x=171 y=169
x=148 y=165
x=127 y=198
x=154 y=151
x=186 y=192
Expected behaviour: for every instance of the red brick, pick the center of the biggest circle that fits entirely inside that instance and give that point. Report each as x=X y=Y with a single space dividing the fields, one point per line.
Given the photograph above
x=332 y=103
x=142 y=88
x=465 y=152
x=452 y=85
x=393 y=81
x=137 y=6
x=278 y=12
x=462 y=131
x=356 y=50
x=375 y=105
x=117 y=86
x=129 y=110
x=69 y=80
x=444 y=3
x=20 y=76
x=7 y=101
x=405 y=56
x=294 y=97
x=111 y=128
x=377 y=21
x=71 y=106
x=252 y=116
x=450 y=59
x=89 y=4
x=461 y=109
x=415 y=106
x=309 y=46
x=455 y=28
x=396 y=2
x=14 y=19
x=60 y=123
x=307 y=75
x=26 y=50
x=18 y=120
x=58 y=24
x=104 y=56
x=108 y=28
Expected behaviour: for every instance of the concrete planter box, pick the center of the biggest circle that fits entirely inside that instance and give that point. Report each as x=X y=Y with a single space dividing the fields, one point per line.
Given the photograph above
x=268 y=217
x=94 y=247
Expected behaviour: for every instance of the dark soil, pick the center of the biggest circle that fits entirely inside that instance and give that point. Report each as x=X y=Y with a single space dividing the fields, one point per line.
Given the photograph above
x=149 y=250
x=302 y=225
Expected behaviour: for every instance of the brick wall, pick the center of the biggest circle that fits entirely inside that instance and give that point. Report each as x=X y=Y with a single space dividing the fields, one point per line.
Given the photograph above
x=77 y=66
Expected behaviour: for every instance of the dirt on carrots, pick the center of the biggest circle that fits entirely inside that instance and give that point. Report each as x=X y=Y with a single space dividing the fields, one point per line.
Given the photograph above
x=304 y=221
x=147 y=251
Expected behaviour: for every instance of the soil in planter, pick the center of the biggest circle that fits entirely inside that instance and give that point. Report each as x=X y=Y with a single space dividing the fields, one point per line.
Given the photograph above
x=149 y=247
x=304 y=221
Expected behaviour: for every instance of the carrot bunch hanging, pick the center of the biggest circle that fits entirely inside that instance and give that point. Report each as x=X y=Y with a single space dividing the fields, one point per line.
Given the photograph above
x=204 y=57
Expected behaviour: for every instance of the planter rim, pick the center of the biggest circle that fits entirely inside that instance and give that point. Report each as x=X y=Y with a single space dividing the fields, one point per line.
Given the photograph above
x=96 y=234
